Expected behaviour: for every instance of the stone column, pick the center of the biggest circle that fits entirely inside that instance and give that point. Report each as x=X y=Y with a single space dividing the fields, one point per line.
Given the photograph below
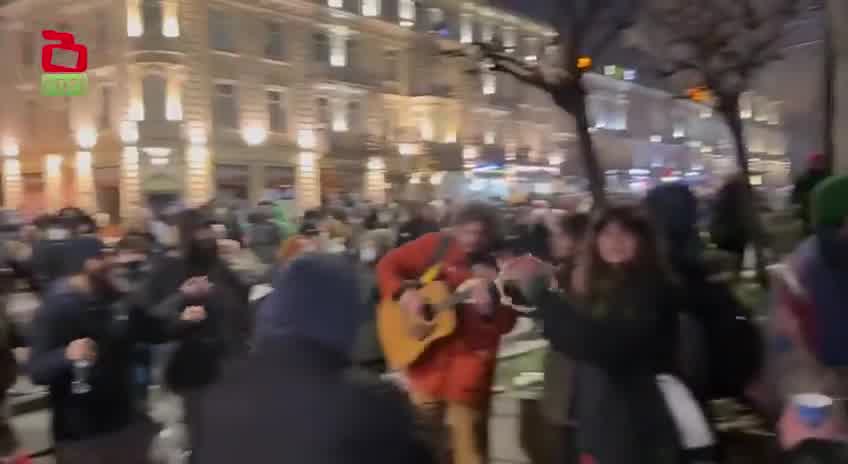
x=12 y=183
x=131 y=201
x=84 y=171
x=53 y=182
x=198 y=167
x=196 y=101
x=375 y=180
x=838 y=12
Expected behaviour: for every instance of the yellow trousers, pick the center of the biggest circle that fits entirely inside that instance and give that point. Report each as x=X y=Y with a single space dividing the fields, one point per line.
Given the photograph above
x=457 y=431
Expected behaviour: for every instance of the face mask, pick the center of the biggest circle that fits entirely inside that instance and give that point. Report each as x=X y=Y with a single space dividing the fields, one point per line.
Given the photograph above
x=384 y=218
x=336 y=248
x=368 y=255
x=57 y=234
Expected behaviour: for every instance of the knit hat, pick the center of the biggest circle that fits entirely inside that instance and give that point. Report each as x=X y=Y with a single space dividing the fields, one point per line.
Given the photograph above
x=830 y=202
x=316 y=297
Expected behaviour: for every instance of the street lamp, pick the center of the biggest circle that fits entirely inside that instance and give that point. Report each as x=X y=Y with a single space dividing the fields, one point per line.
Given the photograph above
x=10 y=148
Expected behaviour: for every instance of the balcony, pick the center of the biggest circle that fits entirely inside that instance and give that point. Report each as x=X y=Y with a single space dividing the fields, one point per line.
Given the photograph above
x=347 y=74
x=348 y=145
x=156 y=48
x=159 y=132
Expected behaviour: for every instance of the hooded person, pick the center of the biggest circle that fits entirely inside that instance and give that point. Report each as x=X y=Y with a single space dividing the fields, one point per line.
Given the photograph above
x=807 y=346
x=196 y=277
x=720 y=346
x=293 y=396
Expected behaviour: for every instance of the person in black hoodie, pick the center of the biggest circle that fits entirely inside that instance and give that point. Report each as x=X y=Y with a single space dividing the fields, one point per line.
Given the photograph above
x=195 y=275
x=82 y=340
x=296 y=399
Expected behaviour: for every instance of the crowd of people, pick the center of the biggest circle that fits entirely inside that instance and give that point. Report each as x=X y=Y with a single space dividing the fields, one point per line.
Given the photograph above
x=261 y=332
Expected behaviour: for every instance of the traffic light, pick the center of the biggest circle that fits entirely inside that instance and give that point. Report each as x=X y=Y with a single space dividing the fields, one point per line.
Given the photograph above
x=700 y=94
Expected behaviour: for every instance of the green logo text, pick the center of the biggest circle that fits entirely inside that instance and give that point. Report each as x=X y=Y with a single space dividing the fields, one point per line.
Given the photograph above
x=64 y=84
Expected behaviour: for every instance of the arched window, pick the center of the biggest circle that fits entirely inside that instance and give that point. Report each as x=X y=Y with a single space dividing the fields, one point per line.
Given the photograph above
x=354 y=117
x=151 y=11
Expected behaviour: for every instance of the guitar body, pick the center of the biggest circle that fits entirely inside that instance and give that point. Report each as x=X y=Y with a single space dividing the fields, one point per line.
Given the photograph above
x=403 y=338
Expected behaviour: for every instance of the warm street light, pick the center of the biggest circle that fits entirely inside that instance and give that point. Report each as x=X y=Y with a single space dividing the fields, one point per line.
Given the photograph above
x=10 y=148
x=584 y=63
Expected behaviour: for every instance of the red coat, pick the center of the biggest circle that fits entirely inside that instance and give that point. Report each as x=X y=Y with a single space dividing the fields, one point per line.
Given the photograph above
x=460 y=367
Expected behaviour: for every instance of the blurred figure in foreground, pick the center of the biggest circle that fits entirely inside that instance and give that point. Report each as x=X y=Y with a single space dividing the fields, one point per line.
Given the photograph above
x=816 y=172
x=291 y=400
x=807 y=345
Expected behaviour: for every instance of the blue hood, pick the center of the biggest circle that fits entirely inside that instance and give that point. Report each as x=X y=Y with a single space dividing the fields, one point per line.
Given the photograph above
x=316 y=297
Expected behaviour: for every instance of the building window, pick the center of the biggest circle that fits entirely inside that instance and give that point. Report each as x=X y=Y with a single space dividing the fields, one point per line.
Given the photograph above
x=338 y=52
x=436 y=17
x=466 y=28
x=354 y=117
x=27 y=48
x=221 y=31
x=510 y=39
x=391 y=66
x=276 y=110
x=102 y=30
x=224 y=108
x=746 y=105
x=151 y=11
x=154 y=98
x=487 y=34
x=274 y=41
x=489 y=83
x=323 y=112
x=105 y=116
x=406 y=12
x=335 y=3
x=321 y=47
x=371 y=7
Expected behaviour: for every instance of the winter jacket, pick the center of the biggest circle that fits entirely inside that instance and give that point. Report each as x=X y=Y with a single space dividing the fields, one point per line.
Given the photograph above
x=115 y=325
x=621 y=416
x=807 y=349
x=225 y=333
x=459 y=368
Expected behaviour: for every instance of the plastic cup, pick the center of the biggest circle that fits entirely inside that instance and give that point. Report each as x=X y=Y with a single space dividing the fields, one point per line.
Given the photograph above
x=814 y=409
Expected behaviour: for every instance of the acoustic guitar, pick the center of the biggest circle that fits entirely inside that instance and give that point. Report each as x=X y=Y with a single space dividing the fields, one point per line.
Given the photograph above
x=406 y=337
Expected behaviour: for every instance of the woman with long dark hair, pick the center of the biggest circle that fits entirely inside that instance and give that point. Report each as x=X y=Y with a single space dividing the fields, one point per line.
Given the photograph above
x=617 y=319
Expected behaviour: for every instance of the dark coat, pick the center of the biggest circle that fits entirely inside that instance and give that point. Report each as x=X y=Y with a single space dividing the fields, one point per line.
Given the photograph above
x=225 y=332
x=294 y=401
x=68 y=314
x=621 y=415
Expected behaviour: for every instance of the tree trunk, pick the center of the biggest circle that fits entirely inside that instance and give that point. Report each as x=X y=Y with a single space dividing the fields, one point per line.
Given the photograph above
x=755 y=227
x=829 y=91
x=591 y=165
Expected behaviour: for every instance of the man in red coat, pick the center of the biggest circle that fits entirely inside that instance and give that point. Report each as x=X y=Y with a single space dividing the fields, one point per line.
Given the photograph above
x=450 y=384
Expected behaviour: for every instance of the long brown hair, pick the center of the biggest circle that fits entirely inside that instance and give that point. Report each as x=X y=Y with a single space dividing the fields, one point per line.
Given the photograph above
x=594 y=276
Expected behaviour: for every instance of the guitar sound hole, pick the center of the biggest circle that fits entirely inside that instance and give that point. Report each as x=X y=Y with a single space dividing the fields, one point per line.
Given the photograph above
x=429 y=312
